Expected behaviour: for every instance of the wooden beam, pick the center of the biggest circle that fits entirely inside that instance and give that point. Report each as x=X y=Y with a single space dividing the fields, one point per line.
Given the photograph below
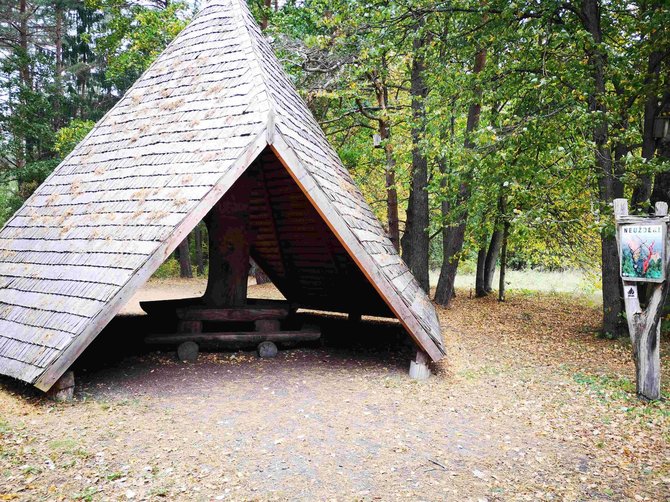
x=63 y=389
x=161 y=308
x=267 y=325
x=353 y=246
x=229 y=243
x=231 y=314
x=251 y=337
x=190 y=326
x=644 y=325
x=418 y=367
x=286 y=269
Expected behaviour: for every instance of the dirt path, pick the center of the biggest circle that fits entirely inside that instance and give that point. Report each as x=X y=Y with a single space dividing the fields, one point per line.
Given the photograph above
x=528 y=405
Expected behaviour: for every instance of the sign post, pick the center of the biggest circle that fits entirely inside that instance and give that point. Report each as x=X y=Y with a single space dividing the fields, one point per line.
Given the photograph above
x=643 y=258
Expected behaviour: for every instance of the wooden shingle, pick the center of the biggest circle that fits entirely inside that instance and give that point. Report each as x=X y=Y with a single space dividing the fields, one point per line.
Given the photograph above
x=152 y=168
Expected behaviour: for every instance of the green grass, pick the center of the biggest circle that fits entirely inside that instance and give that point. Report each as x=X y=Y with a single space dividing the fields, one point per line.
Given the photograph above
x=609 y=388
x=475 y=373
x=86 y=495
x=615 y=387
x=68 y=447
x=573 y=282
x=159 y=491
x=114 y=476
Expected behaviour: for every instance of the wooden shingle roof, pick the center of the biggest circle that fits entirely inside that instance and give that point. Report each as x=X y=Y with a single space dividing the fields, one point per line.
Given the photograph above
x=150 y=170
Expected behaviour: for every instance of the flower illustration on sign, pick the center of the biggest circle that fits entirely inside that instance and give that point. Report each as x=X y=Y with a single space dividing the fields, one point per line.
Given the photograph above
x=642 y=252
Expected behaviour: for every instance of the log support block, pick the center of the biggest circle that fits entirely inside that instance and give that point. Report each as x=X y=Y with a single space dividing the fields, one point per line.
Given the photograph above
x=308 y=333
x=63 y=389
x=267 y=349
x=187 y=352
x=418 y=368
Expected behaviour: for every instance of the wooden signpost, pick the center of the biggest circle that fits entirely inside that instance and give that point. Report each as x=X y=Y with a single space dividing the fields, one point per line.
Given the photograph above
x=643 y=257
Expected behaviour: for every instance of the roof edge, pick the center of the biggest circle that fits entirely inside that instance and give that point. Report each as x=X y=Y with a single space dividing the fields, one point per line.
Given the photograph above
x=349 y=241
x=78 y=344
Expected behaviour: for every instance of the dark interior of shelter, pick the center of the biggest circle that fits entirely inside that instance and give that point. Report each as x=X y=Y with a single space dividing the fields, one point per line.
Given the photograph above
x=264 y=216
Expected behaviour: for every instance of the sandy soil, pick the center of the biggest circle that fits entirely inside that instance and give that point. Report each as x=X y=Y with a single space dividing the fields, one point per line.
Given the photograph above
x=528 y=405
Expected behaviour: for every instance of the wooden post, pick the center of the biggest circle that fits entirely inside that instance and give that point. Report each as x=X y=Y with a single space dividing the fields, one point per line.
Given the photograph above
x=199 y=261
x=644 y=325
x=189 y=326
x=418 y=368
x=229 y=243
x=63 y=389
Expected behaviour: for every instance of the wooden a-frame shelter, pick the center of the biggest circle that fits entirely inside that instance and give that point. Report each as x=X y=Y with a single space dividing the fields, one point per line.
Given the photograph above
x=214 y=127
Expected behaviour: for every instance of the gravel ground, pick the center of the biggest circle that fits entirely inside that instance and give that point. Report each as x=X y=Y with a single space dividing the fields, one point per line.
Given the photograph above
x=528 y=405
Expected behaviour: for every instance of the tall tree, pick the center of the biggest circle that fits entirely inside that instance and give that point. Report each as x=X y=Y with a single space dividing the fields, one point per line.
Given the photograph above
x=415 y=240
x=454 y=238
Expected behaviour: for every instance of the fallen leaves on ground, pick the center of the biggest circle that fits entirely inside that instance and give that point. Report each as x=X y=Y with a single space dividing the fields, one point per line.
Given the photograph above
x=528 y=405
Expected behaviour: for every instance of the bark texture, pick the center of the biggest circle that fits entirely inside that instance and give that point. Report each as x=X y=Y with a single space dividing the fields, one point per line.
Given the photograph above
x=492 y=256
x=199 y=259
x=229 y=244
x=415 y=240
x=185 y=269
x=642 y=190
x=454 y=238
x=608 y=186
x=480 y=276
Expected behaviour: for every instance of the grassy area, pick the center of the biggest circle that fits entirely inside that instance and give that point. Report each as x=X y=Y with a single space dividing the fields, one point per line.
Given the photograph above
x=574 y=282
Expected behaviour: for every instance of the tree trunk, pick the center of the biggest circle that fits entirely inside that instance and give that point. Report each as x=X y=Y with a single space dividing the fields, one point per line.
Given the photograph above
x=642 y=190
x=58 y=79
x=229 y=243
x=415 y=241
x=484 y=285
x=612 y=301
x=480 y=276
x=392 y=198
x=661 y=192
x=185 y=259
x=644 y=325
x=503 y=260
x=381 y=90
x=199 y=260
x=453 y=240
x=492 y=253
x=265 y=16
x=24 y=72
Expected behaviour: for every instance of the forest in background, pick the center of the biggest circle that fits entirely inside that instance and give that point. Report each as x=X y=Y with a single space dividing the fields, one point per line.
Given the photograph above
x=494 y=132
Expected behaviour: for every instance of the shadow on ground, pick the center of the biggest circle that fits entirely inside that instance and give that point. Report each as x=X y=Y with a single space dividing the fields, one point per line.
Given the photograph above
x=119 y=359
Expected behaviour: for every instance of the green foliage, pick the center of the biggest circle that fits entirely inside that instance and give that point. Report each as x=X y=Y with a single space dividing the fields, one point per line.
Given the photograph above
x=627 y=267
x=50 y=99
x=137 y=35
x=69 y=137
x=533 y=148
x=169 y=269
